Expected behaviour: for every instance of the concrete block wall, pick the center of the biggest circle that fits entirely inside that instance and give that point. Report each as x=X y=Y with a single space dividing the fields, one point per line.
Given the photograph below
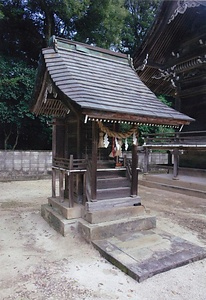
x=154 y=158
x=23 y=164
x=18 y=165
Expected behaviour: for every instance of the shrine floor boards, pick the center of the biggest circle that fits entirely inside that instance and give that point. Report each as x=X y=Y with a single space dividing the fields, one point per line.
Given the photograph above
x=146 y=253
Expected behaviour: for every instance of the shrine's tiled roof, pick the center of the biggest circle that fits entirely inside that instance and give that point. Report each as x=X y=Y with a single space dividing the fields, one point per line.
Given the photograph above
x=100 y=82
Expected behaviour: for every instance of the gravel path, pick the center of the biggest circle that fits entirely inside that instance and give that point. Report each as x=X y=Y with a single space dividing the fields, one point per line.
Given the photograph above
x=38 y=263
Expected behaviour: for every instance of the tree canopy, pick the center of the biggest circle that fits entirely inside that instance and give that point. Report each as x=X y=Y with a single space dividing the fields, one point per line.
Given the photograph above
x=16 y=84
x=25 y=28
x=139 y=18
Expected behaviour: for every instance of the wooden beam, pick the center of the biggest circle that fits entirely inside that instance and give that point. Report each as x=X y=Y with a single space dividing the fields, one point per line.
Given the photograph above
x=176 y=163
x=94 y=161
x=134 y=190
x=71 y=183
x=133 y=118
x=53 y=155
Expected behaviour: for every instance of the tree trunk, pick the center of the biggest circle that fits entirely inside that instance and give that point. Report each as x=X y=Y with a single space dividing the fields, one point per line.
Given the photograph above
x=7 y=136
x=16 y=139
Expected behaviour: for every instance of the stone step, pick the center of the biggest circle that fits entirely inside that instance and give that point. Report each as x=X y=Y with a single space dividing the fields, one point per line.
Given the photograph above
x=100 y=205
x=113 y=193
x=63 y=208
x=112 y=214
x=108 y=229
x=57 y=221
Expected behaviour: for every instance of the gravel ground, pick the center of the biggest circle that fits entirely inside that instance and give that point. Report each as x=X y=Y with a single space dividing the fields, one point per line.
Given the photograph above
x=38 y=263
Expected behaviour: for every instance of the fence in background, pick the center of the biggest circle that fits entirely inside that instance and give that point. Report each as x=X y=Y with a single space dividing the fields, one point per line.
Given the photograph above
x=37 y=164
x=24 y=164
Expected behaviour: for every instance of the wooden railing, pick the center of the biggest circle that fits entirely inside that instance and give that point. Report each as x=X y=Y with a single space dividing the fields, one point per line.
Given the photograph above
x=182 y=140
x=66 y=171
x=88 y=180
x=175 y=142
x=70 y=164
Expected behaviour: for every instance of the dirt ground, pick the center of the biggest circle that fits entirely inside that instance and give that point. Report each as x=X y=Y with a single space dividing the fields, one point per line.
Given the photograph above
x=38 y=263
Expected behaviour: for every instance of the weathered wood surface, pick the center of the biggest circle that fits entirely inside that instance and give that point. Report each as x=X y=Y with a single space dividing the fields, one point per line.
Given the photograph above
x=94 y=161
x=177 y=140
x=134 y=177
x=70 y=164
x=106 y=83
x=175 y=52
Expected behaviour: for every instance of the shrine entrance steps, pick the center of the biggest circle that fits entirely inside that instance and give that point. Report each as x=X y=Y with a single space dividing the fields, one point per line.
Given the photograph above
x=112 y=183
x=124 y=233
x=102 y=219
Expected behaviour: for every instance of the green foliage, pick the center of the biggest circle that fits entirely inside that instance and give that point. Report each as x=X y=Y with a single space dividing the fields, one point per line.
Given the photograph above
x=19 y=33
x=102 y=23
x=16 y=85
x=140 y=16
x=25 y=28
x=145 y=129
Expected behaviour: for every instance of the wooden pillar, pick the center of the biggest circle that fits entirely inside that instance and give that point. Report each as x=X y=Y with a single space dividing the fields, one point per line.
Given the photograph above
x=71 y=183
x=53 y=155
x=146 y=160
x=53 y=183
x=61 y=185
x=66 y=155
x=176 y=163
x=134 y=190
x=94 y=161
x=84 y=189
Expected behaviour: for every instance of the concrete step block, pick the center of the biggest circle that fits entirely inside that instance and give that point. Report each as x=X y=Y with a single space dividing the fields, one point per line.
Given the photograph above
x=107 y=204
x=64 y=209
x=57 y=221
x=112 y=214
x=91 y=232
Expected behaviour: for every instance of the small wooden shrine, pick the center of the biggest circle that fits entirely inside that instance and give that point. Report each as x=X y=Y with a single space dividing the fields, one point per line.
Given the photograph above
x=97 y=102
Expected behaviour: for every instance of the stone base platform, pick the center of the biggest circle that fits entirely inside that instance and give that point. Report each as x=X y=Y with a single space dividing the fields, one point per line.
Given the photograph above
x=183 y=184
x=91 y=232
x=57 y=221
x=144 y=254
x=125 y=235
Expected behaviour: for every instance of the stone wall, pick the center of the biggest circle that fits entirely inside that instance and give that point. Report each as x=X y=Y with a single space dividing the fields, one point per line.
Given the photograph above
x=18 y=165
x=155 y=158
x=25 y=164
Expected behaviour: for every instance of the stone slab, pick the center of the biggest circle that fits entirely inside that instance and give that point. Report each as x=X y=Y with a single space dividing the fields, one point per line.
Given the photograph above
x=112 y=214
x=108 y=229
x=57 y=221
x=147 y=253
x=64 y=209
x=112 y=203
